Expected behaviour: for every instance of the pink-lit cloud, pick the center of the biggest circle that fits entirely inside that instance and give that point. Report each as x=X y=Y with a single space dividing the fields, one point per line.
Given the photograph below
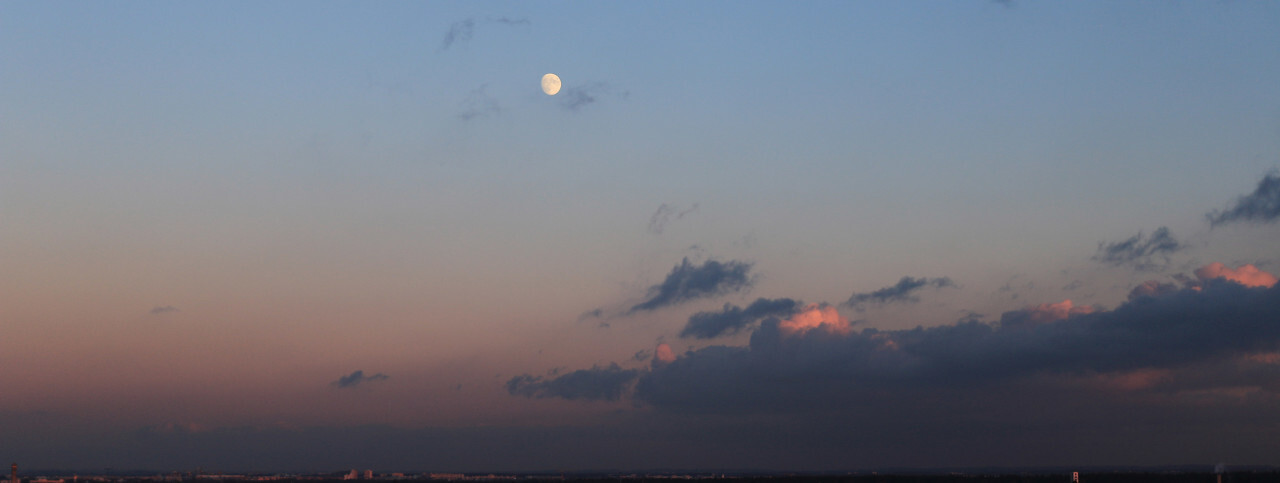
x=1058 y=311
x=1247 y=275
x=663 y=354
x=1033 y=315
x=816 y=316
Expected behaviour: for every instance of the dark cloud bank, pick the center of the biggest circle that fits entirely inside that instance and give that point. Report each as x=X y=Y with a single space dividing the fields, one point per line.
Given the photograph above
x=1034 y=388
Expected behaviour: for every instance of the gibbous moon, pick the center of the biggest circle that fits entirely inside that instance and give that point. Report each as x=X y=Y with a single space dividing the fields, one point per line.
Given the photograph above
x=550 y=84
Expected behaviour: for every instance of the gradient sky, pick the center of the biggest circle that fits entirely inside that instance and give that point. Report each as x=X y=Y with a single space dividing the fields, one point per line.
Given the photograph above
x=817 y=236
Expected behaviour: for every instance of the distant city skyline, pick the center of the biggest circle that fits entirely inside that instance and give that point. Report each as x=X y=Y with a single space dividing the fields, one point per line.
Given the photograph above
x=830 y=236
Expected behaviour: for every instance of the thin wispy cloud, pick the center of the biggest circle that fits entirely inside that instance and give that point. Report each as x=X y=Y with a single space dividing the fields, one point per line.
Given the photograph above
x=902 y=292
x=1260 y=206
x=688 y=282
x=163 y=309
x=666 y=214
x=576 y=97
x=479 y=104
x=1140 y=252
x=357 y=378
x=462 y=31
x=605 y=383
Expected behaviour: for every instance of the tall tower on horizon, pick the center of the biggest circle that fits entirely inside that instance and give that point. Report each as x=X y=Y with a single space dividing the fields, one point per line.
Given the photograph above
x=13 y=473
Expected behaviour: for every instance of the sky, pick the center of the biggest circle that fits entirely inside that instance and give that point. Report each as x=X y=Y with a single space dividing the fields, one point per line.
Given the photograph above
x=824 y=236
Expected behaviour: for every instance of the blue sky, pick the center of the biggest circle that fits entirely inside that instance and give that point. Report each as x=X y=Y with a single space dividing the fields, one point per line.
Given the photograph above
x=316 y=189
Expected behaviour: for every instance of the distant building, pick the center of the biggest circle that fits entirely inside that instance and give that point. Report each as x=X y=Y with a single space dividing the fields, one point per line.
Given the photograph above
x=13 y=473
x=351 y=476
x=368 y=474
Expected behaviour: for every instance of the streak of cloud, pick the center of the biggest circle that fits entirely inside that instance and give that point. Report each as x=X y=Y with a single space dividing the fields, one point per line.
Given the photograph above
x=666 y=214
x=163 y=309
x=357 y=378
x=479 y=104
x=1260 y=206
x=576 y=97
x=904 y=291
x=1139 y=252
x=688 y=282
x=596 y=384
x=731 y=319
x=462 y=31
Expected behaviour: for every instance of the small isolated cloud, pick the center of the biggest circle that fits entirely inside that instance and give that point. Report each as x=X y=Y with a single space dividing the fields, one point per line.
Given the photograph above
x=577 y=97
x=666 y=214
x=460 y=32
x=479 y=104
x=1139 y=252
x=1260 y=206
x=688 y=282
x=903 y=291
x=356 y=378
x=707 y=325
x=596 y=384
x=163 y=309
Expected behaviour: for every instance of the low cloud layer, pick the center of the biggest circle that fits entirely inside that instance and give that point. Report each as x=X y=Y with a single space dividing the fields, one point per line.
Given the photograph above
x=1138 y=251
x=357 y=378
x=1260 y=206
x=903 y=291
x=689 y=282
x=1214 y=341
x=731 y=319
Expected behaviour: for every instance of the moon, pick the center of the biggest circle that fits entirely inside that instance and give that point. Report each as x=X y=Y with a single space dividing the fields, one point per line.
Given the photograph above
x=550 y=84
